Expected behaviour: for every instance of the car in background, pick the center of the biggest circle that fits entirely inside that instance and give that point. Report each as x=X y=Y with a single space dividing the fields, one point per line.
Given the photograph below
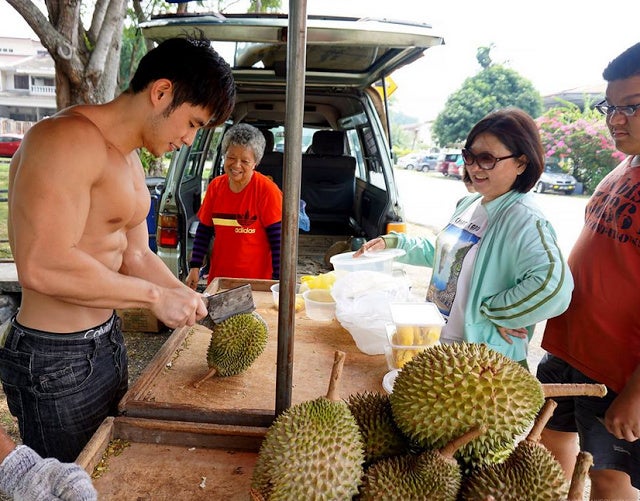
x=350 y=188
x=427 y=162
x=456 y=169
x=409 y=161
x=449 y=163
x=9 y=143
x=555 y=180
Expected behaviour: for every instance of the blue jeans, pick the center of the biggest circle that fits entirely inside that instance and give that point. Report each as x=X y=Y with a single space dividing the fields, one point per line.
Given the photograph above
x=60 y=387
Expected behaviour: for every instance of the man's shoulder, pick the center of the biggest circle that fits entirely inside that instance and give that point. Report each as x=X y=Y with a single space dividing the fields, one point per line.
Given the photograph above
x=72 y=125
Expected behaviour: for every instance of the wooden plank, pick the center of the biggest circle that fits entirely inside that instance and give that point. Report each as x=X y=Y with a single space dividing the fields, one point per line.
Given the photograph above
x=165 y=389
x=157 y=363
x=174 y=460
x=92 y=452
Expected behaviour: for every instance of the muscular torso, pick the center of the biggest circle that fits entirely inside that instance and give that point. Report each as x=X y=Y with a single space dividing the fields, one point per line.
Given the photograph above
x=102 y=199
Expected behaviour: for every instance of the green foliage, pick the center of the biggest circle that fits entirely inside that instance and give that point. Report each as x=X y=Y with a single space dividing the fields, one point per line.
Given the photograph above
x=404 y=132
x=264 y=5
x=133 y=48
x=493 y=88
x=579 y=141
x=153 y=166
x=5 y=250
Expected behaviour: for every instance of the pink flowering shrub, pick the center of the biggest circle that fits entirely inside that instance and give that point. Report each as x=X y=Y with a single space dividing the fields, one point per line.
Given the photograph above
x=579 y=142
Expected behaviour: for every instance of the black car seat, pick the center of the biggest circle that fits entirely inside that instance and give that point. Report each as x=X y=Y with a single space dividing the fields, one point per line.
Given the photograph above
x=328 y=179
x=272 y=163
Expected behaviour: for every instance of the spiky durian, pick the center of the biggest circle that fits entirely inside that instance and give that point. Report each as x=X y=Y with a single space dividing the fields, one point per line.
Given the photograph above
x=380 y=434
x=313 y=450
x=434 y=475
x=531 y=472
x=235 y=344
x=447 y=389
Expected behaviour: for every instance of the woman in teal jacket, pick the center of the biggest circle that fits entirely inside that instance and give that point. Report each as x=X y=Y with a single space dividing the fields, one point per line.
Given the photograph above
x=497 y=267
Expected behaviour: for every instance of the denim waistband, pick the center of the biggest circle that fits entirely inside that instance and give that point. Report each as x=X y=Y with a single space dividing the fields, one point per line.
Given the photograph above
x=89 y=334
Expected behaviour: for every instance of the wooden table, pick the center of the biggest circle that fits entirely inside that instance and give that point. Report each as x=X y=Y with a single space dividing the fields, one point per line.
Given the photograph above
x=164 y=390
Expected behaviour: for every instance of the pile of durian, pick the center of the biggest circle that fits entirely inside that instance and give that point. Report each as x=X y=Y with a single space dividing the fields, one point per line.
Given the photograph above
x=451 y=430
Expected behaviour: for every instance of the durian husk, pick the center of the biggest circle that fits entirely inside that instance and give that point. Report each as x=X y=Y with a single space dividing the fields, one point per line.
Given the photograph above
x=235 y=344
x=380 y=434
x=434 y=475
x=447 y=389
x=531 y=472
x=313 y=450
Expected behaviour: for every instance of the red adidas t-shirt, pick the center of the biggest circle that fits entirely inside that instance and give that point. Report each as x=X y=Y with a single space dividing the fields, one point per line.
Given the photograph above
x=600 y=332
x=240 y=246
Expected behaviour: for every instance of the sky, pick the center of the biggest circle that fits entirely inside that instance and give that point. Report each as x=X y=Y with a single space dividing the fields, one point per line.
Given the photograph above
x=556 y=44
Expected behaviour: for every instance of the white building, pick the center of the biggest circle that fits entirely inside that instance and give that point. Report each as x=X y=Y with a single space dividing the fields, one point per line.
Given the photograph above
x=27 y=80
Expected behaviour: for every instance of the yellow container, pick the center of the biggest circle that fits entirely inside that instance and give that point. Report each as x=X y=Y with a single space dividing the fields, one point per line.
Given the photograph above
x=398 y=226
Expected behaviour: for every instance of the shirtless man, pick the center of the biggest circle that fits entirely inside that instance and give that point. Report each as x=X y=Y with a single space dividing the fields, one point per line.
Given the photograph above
x=77 y=227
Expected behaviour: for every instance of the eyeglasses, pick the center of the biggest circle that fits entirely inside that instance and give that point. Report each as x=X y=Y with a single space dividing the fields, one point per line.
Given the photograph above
x=486 y=161
x=608 y=110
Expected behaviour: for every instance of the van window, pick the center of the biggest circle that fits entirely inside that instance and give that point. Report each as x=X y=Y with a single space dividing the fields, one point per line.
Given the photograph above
x=372 y=167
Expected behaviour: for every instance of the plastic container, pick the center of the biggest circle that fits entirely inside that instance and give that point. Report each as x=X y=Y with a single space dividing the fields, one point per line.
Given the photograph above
x=275 y=291
x=319 y=305
x=415 y=327
x=380 y=261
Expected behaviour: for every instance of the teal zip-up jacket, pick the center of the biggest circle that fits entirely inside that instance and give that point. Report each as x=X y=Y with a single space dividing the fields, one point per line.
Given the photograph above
x=519 y=276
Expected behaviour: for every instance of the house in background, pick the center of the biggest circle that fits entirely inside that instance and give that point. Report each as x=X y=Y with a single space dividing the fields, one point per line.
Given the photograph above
x=27 y=80
x=590 y=94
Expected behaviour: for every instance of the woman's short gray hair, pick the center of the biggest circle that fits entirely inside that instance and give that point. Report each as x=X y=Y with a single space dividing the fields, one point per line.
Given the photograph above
x=246 y=136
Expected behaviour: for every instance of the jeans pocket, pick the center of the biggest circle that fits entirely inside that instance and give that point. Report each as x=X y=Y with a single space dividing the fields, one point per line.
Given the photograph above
x=60 y=376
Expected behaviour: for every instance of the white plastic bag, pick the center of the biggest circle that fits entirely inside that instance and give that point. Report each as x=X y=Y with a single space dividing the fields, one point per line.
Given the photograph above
x=362 y=306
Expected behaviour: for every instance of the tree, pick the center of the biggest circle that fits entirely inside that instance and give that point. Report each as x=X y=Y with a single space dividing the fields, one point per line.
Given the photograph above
x=494 y=87
x=579 y=142
x=86 y=60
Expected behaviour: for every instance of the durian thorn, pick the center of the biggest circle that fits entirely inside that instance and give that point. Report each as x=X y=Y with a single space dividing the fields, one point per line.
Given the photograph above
x=584 y=461
x=541 y=420
x=198 y=382
x=450 y=449
x=552 y=390
x=336 y=374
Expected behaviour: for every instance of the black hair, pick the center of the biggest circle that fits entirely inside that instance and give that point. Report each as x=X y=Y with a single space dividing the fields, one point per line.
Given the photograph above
x=624 y=66
x=519 y=133
x=200 y=76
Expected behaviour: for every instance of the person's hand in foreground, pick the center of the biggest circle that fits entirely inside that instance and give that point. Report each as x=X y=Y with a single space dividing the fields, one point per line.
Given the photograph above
x=377 y=244
x=25 y=476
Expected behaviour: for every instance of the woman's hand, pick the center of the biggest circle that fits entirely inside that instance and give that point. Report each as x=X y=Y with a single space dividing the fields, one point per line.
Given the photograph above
x=377 y=244
x=507 y=334
x=193 y=278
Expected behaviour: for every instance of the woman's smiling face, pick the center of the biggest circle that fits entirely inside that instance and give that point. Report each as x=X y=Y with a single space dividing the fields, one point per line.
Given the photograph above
x=239 y=163
x=494 y=183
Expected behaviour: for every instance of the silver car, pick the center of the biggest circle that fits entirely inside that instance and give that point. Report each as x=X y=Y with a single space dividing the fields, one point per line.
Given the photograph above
x=351 y=194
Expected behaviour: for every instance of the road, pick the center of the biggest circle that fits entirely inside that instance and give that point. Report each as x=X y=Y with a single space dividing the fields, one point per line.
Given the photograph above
x=429 y=199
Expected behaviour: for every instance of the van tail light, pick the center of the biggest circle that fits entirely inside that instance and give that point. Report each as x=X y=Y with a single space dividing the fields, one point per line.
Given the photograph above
x=167 y=231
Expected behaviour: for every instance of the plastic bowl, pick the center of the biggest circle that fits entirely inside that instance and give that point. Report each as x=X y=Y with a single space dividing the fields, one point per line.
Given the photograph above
x=319 y=305
x=275 y=292
x=380 y=261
